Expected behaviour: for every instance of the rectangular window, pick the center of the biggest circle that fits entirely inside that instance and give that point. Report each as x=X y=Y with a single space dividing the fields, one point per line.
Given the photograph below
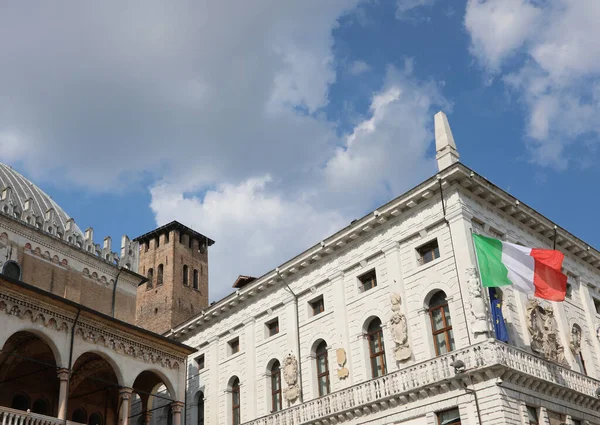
x=597 y=305
x=234 y=346
x=317 y=306
x=449 y=417
x=532 y=416
x=200 y=362
x=428 y=252
x=368 y=280
x=556 y=418
x=272 y=327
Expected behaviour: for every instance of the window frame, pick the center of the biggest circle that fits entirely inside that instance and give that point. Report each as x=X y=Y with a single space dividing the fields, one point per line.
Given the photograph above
x=234 y=344
x=269 y=326
x=439 y=418
x=445 y=330
x=186 y=277
x=368 y=278
x=373 y=355
x=422 y=251
x=319 y=301
x=321 y=354
x=528 y=410
x=200 y=361
x=236 y=408
x=276 y=389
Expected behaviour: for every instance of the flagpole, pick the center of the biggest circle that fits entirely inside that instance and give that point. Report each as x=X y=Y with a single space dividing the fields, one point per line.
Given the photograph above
x=485 y=292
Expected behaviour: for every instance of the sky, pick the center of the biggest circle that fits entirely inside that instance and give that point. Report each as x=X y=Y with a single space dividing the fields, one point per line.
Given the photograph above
x=269 y=125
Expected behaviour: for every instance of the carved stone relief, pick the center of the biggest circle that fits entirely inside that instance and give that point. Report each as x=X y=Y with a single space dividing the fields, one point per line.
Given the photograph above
x=479 y=316
x=575 y=343
x=543 y=331
x=342 y=372
x=290 y=374
x=399 y=329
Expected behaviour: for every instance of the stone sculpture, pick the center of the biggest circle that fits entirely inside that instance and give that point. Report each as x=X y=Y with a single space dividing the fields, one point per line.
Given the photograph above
x=575 y=343
x=543 y=331
x=290 y=374
x=479 y=316
x=342 y=372
x=399 y=330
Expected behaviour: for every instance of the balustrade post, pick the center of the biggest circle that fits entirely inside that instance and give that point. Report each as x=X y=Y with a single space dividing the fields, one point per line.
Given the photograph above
x=63 y=376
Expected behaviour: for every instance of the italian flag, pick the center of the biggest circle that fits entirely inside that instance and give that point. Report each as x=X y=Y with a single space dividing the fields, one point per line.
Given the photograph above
x=530 y=270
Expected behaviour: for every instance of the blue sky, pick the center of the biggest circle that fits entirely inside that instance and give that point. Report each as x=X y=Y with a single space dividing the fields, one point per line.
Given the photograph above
x=268 y=128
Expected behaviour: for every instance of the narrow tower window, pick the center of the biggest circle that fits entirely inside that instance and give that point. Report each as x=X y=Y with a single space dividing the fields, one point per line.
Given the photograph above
x=159 y=275
x=195 y=279
x=185 y=275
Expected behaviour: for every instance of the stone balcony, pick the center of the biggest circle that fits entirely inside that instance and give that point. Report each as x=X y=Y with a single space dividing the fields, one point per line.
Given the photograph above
x=487 y=360
x=18 y=417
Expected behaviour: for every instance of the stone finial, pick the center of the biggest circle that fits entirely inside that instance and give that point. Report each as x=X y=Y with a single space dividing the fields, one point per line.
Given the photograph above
x=445 y=147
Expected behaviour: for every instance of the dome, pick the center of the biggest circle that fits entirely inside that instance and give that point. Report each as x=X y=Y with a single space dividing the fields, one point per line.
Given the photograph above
x=24 y=200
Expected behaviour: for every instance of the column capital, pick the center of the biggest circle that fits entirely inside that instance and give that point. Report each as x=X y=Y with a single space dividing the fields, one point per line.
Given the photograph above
x=125 y=393
x=177 y=406
x=63 y=374
x=337 y=275
x=391 y=247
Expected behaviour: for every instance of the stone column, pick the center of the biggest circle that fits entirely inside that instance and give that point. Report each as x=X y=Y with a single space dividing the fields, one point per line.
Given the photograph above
x=63 y=376
x=125 y=394
x=291 y=325
x=252 y=377
x=147 y=418
x=214 y=382
x=177 y=408
x=342 y=326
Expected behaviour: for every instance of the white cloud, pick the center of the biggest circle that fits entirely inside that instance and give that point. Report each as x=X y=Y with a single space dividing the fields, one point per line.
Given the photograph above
x=359 y=67
x=263 y=221
x=405 y=6
x=219 y=104
x=547 y=53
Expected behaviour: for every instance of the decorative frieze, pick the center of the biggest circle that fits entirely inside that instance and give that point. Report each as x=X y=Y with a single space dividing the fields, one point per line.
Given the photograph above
x=94 y=332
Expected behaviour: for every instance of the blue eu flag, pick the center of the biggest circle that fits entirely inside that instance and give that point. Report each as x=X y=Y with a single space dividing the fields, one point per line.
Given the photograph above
x=497 y=318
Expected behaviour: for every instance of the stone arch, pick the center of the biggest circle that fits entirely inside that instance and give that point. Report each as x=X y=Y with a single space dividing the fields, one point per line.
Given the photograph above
x=148 y=383
x=27 y=366
x=58 y=358
x=431 y=290
x=108 y=359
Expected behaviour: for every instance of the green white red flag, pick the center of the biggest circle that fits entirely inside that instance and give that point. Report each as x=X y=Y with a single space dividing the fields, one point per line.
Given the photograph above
x=534 y=271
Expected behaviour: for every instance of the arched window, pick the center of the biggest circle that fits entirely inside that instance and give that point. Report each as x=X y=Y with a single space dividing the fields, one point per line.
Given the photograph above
x=201 y=408
x=441 y=324
x=185 y=275
x=376 y=348
x=275 y=376
x=40 y=406
x=12 y=270
x=79 y=415
x=159 y=275
x=195 y=279
x=20 y=402
x=322 y=368
x=96 y=419
x=235 y=401
x=150 y=277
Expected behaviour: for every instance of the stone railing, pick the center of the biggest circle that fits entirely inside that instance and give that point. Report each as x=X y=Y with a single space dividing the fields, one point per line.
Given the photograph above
x=19 y=417
x=485 y=355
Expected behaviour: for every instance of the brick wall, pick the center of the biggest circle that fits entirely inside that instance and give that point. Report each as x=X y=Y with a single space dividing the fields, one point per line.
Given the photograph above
x=161 y=307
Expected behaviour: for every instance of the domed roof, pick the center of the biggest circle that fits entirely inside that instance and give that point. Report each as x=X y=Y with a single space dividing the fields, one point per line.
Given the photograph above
x=38 y=211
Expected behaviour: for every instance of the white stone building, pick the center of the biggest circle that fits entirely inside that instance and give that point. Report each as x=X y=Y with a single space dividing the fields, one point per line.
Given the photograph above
x=385 y=322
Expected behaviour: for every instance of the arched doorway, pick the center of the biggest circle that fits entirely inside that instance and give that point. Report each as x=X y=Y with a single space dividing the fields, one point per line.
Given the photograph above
x=154 y=399
x=28 y=374
x=93 y=391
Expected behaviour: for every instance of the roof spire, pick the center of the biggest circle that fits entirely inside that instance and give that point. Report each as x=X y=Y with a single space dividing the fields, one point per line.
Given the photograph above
x=446 y=153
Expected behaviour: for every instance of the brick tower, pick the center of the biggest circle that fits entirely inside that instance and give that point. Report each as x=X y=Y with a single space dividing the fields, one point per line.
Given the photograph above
x=174 y=258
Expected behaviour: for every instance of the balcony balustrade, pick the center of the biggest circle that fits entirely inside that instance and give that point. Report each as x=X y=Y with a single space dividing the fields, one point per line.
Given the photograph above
x=489 y=357
x=18 y=417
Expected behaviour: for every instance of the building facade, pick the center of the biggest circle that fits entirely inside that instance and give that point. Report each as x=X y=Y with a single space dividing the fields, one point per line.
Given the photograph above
x=70 y=348
x=386 y=322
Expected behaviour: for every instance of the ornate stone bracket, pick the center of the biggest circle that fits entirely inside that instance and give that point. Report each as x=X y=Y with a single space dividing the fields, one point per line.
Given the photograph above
x=399 y=329
x=290 y=374
x=479 y=316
